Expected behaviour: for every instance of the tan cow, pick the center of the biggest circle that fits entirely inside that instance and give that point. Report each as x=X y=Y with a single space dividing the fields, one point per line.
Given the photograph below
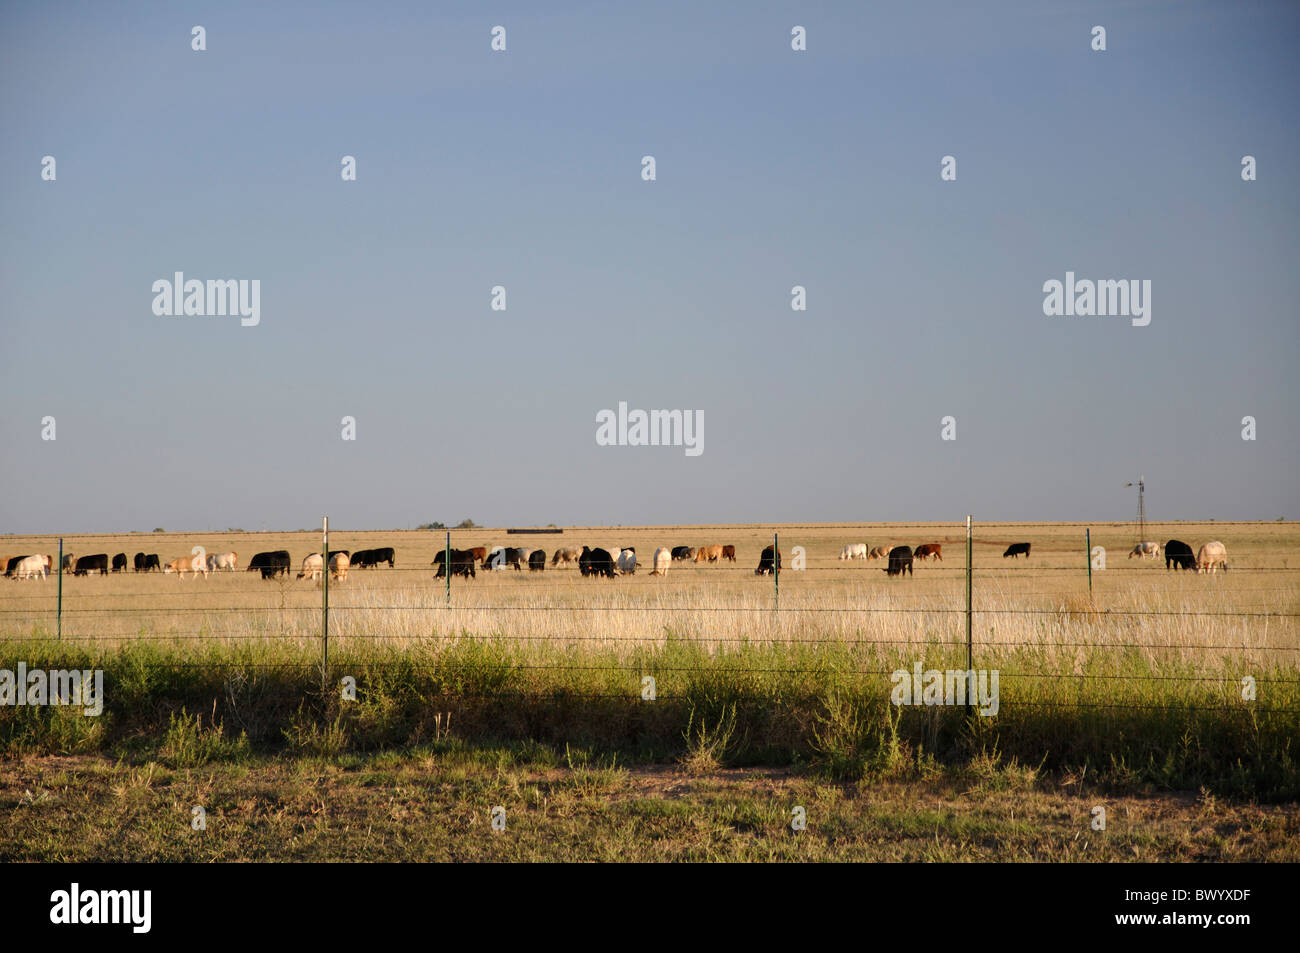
x=195 y=564
x=227 y=561
x=1211 y=556
x=663 y=559
x=339 y=564
x=711 y=553
x=879 y=552
x=565 y=556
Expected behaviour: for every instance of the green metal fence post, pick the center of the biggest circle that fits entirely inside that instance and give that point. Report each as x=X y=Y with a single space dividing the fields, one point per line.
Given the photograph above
x=446 y=567
x=970 y=651
x=1087 y=545
x=325 y=607
x=59 y=622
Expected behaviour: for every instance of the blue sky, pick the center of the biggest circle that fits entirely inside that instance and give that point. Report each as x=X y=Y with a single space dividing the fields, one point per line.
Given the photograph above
x=522 y=169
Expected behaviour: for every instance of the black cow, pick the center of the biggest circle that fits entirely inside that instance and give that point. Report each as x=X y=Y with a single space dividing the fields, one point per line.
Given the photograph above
x=151 y=562
x=86 y=563
x=119 y=562
x=682 y=552
x=596 y=562
x=462 y=563
x=13 y=562
x=270 y=563
x=1178 y=553
x=362 y=559
x=384 y=554
x=537 y=561
x=138 y=562
x=900 y=561
x=765 y=562
x=1015 y=549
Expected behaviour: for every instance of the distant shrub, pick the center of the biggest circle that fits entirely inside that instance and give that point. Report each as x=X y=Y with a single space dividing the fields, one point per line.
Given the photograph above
x=466 y=524
x=432 y=526
x=159 y=529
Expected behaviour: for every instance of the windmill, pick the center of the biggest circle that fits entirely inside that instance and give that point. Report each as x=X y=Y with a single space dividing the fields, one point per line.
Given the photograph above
x=1142 y=508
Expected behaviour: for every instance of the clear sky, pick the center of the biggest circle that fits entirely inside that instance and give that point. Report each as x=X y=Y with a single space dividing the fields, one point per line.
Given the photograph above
x=522 y=168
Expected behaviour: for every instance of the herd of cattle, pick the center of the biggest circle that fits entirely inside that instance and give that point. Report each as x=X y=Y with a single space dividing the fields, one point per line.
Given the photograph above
x=617 y=560
x=1179 y=555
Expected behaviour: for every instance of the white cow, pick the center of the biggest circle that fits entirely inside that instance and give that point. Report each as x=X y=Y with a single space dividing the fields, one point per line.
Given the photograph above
x=339 y=564
x=1211 y=556
x=627 y=562
x=30 y=567
x=854 y=551
x=311 y=566
x=663 y=559
x=1146 y=551
x=218 y=561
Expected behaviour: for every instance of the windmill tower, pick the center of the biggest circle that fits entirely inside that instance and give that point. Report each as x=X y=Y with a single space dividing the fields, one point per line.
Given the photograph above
x=1142 y=508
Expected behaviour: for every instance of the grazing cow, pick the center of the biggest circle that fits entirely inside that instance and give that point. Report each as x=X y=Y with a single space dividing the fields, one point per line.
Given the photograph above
x=119 y=562
x=152 y=563
x=927 y=551
x=711 y=553
x=462 y=563
x=69 y=561
x=568 y=554
x=900 y=561
x=27 y=567
x=311 y=566
x=729 y=552
x=139 y=562
x=191 y=564
x=879 y=552
x=521 y=554
x=339 y=565
x=1015 y=549
x=271 y=563
x=384 y=554
x=1179 y=554
x=681 y=553
x=596 y=562
x=480 y=553
x=89 y=564
x=1211 y=556
x=1146 y=551
x=765 y=564
x=627 y=562
x=223 y=561
x=537 y=560
x=363 y=559
x=854 y=551
x=663 y=559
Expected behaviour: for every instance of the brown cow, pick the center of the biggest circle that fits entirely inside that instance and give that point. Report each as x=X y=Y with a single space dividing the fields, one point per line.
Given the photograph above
x=480 y=553
x=711 y=553
x=729 y=552
x=927 y=550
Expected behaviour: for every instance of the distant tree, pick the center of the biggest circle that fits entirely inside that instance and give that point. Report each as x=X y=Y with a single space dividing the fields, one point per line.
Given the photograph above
x=466 y=524
x=159 y=529
x=432 y=526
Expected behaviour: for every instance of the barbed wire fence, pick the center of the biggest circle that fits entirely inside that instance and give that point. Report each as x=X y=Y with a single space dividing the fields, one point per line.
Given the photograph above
x=955 y=621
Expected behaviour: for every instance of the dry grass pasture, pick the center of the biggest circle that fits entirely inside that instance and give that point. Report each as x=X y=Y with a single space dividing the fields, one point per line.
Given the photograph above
x=1043 y=600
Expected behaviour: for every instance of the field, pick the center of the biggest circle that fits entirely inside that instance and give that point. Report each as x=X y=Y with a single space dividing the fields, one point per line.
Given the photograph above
x=1134 y=691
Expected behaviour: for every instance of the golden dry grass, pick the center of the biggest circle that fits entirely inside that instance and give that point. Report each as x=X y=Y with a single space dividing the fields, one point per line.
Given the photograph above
x=1043 y=601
